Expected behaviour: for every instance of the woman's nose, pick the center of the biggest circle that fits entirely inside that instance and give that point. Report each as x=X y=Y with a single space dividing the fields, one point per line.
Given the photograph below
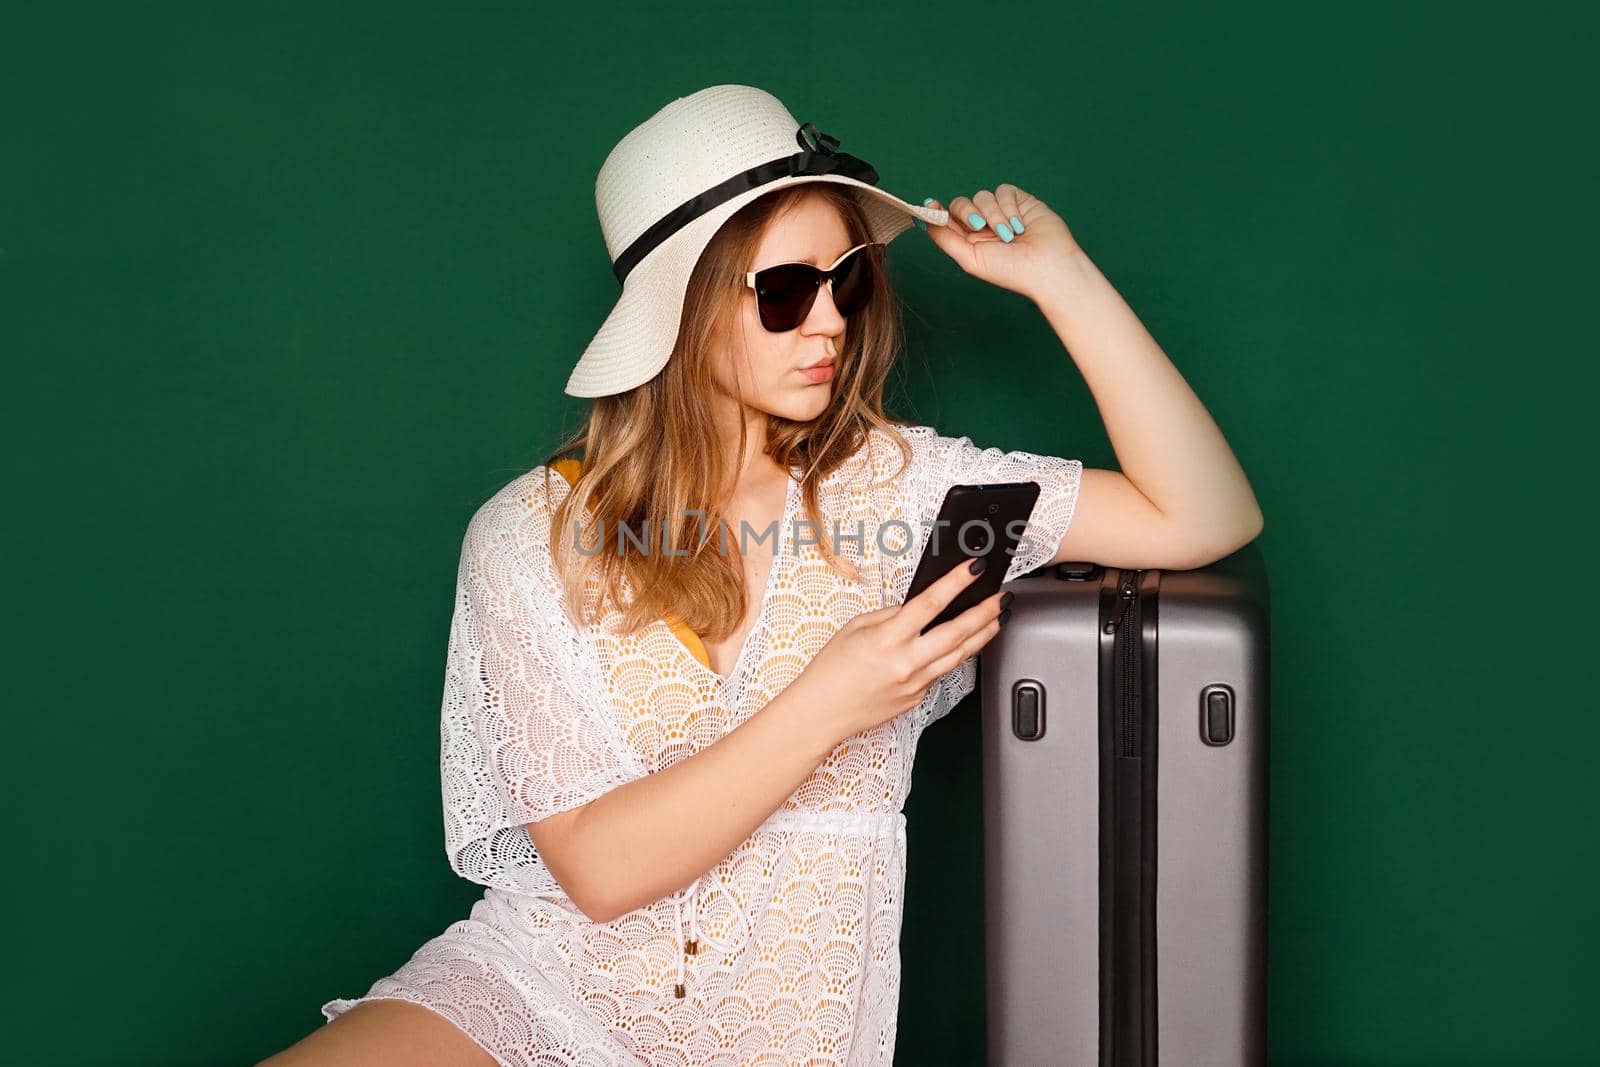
x=825 y=293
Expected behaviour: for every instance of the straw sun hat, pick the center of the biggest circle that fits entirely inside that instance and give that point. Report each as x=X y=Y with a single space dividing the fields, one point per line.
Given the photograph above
x=667 y=186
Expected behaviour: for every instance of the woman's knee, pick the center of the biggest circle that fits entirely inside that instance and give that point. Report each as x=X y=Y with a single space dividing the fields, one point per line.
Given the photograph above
x=385 y=1032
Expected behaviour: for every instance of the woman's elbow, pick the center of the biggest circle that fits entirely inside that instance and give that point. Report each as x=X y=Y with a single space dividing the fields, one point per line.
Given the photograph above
x=1211 y=551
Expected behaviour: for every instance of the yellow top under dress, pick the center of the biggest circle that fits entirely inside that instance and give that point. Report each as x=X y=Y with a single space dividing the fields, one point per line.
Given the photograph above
x=570 y=469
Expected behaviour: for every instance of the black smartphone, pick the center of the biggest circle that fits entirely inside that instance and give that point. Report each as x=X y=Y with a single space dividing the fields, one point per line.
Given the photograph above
x=975 y=520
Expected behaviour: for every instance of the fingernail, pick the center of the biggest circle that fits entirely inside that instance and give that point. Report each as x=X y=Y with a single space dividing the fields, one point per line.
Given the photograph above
x=1003 y=232
x=1016 y=224
x=1005 y=616
x=975 y=220
x=977 y=565
x=920 y=225
x=1006 y=598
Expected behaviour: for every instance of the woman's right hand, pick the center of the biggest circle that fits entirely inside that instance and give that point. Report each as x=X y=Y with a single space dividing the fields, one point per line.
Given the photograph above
x=879 y=664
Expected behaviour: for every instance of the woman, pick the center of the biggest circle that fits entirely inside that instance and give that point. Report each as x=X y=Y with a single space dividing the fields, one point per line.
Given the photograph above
x=679 y=771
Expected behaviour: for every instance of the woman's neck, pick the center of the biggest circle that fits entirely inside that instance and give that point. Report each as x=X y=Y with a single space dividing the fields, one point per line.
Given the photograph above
x=754 y=473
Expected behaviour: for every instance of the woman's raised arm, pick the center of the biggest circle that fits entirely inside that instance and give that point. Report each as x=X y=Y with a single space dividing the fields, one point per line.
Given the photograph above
x=1181 y=499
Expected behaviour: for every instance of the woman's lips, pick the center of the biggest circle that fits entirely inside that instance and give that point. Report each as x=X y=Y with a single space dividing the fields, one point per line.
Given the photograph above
x=822 y=372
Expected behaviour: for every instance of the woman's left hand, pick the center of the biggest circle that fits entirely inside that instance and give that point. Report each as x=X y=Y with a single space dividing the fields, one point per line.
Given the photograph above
x=1020 y=264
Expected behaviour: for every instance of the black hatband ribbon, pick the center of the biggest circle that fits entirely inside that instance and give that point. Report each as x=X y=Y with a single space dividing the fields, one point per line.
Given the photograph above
x=818 y=155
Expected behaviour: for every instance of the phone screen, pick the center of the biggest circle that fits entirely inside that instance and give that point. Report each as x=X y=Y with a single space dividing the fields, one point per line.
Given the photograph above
x=974 y=520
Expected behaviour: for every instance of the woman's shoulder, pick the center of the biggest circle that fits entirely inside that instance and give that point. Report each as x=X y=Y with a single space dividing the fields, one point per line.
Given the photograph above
x=898 y=450
x=917 y=436
x=518 y=516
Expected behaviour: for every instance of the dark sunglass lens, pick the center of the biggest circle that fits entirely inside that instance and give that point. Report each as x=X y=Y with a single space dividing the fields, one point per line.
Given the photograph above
x=786 y=293
x=852 y=288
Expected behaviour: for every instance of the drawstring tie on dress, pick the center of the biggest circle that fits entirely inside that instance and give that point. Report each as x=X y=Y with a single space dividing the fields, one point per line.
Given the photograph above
x=690 y=946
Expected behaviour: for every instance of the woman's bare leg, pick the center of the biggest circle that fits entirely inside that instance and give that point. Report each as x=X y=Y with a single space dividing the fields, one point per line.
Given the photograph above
x=385 y=1033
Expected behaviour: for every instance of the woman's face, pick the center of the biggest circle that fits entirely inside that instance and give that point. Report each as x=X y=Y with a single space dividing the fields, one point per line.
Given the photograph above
x=768 y=365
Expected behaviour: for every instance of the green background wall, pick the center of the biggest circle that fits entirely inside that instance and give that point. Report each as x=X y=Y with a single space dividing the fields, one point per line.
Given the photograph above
x=288 y=293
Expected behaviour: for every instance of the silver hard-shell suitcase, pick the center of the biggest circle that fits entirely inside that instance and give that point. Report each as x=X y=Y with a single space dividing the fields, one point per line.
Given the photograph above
x=1125 y=796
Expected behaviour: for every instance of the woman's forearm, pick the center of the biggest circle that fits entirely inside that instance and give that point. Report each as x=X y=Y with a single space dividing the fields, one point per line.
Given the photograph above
x=651 y=837
x=1166 y=441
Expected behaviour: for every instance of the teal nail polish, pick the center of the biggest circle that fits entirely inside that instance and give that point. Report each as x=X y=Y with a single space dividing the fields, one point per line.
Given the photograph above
x=975 y=220
x=923 y=226
x=1016 y=224
x=1003 y=232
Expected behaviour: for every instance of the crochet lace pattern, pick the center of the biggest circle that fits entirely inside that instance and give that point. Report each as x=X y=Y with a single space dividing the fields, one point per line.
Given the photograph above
x=785 y=951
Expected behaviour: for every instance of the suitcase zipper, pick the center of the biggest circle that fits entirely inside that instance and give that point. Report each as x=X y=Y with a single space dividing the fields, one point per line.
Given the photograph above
x=1128 y=1037
x=1128 y=592
x=1128 y=712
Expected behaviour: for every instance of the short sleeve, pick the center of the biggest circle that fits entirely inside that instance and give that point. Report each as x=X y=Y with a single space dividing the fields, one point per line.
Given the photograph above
x=517 y=743
x=939 y=462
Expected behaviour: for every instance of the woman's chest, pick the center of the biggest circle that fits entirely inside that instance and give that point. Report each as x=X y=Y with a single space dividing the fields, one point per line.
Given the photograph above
x=667 y=705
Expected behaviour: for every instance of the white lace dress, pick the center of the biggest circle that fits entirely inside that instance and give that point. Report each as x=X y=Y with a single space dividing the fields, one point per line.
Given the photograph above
x=796 y=931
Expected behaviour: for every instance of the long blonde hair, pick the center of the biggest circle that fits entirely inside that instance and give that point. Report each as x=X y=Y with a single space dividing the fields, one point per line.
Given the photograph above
x=651 y=452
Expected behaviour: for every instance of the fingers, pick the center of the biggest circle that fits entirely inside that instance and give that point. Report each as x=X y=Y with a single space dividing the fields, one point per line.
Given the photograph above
x=965 y=211
x=923 y=608
x=1009 y=200
x=953 y=239
x=947 y=645
x=965 y=651
x=996 y=213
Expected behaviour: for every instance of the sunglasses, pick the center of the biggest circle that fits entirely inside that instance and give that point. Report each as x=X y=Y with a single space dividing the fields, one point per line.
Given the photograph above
x=786 y=291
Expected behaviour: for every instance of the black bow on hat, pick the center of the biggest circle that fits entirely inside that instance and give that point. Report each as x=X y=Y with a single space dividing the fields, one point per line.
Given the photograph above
x=815 y=140
x=819 y=154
